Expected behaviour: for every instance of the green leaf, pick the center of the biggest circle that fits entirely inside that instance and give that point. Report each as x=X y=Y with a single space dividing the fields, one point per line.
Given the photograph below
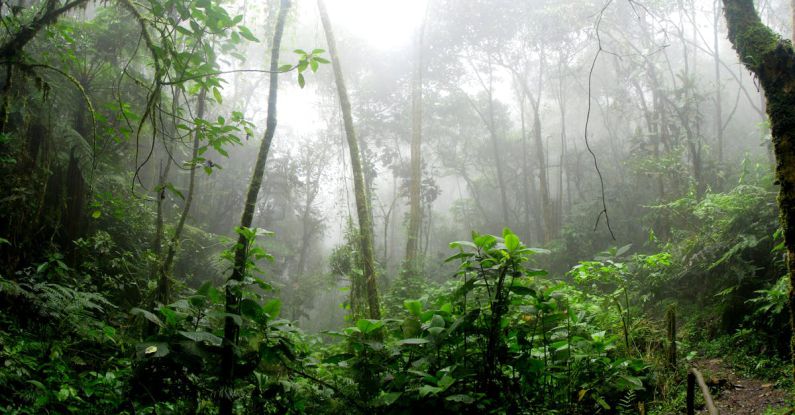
x=246 y=33
x=520 y=290
x=202 y=336
x=461 y=398
x=630 y=382
x=96 y=214
x=173 y=190
x=147 y=315
x=39 y=385
x=195 y=27
x=413 y=306
x=320 y=60
x=623 y=250
x=512 y=242
x=462 y=245
x=235 y=317
x=272 y=307
x=341 y=357
x=301 y=80
x=151 y=349
x=285 y=68
x=387 y=398
x=217 y=95
x=412 y=341
x=251 y=309
x=602 y=402
x=426 y=390
x=368 y=326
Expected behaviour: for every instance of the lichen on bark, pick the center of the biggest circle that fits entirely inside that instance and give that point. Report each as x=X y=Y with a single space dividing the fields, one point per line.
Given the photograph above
x=772 y=61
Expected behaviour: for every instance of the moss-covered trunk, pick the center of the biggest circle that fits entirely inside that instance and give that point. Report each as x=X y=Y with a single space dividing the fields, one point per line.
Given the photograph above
x=231 y=329
x=359 y=185
x=412 y=267
x=771 y=59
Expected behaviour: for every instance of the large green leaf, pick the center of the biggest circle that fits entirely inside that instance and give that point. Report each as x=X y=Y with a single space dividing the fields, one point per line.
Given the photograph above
x=202 y=336
x=368 y=326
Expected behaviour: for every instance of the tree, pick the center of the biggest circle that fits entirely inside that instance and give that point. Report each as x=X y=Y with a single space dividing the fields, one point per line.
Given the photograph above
x=360 y=187
x=415 y=213
x=239 y=268
x=772 y=60
x=163 y=291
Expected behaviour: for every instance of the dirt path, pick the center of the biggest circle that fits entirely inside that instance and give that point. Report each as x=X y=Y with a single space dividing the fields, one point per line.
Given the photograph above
x=737 y=395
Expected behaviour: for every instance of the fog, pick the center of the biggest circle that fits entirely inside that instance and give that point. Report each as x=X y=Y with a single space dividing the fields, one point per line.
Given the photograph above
x=653 y=122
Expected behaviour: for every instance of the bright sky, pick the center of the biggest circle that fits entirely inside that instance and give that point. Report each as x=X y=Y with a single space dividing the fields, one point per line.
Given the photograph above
x=385 y=23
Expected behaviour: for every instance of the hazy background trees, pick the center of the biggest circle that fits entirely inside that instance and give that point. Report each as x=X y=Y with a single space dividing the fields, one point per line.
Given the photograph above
x=503 y=90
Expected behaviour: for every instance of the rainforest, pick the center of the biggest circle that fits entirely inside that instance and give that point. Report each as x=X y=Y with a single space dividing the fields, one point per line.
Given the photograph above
x=397 y=207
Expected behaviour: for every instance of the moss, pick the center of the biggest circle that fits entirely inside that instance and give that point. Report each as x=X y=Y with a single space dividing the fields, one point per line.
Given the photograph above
x=752 y=39
x=756 y=42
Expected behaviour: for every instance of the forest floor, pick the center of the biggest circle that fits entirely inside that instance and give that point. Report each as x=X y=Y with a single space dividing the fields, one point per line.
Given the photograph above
x=735 y=394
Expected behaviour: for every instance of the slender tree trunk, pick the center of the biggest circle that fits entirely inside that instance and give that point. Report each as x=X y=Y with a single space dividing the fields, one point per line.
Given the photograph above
x=496 y=146
x=415 y=212
x=548 y=229
x=360 y=187
x=228 y=356
x=157 y=242
x=772 y=61
x=562 y=158
x=163 y=291
x=526 y=174
x=718 y=86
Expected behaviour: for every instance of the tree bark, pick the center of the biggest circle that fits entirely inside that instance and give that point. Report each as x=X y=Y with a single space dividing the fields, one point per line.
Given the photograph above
x=526 y=174
x=163 y=291
x=718 y=87
x=231 y=329
x=13 y=46
x=360 y=187
x=415 y=211
x=772 y=60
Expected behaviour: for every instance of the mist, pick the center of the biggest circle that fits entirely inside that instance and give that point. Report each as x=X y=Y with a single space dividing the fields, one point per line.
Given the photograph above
x=389 y=206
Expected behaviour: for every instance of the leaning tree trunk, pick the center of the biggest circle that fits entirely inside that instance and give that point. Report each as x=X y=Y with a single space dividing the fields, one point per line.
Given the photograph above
x=239 y=268
x=772 y=60
x=360 y=187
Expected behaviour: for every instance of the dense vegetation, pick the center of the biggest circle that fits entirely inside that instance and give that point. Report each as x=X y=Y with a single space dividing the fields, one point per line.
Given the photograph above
x=527 y=208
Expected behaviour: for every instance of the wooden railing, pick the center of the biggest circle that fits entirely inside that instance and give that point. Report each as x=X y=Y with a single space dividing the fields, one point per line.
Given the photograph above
x=693 y=377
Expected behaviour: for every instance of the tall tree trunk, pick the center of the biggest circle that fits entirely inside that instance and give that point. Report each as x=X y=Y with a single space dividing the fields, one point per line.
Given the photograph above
x=163 y=291
x=239 y=268
x=718 y=97
x=415 y=212
x=562 y=158
x=773 y=62
x=360 y=187
x=526 y=173
x=496 y=147
x=74 y=207
x=548 y=229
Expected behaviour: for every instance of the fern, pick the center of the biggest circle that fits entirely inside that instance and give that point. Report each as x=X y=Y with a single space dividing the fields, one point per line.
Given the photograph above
x=626 y=405
x=60 y=305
